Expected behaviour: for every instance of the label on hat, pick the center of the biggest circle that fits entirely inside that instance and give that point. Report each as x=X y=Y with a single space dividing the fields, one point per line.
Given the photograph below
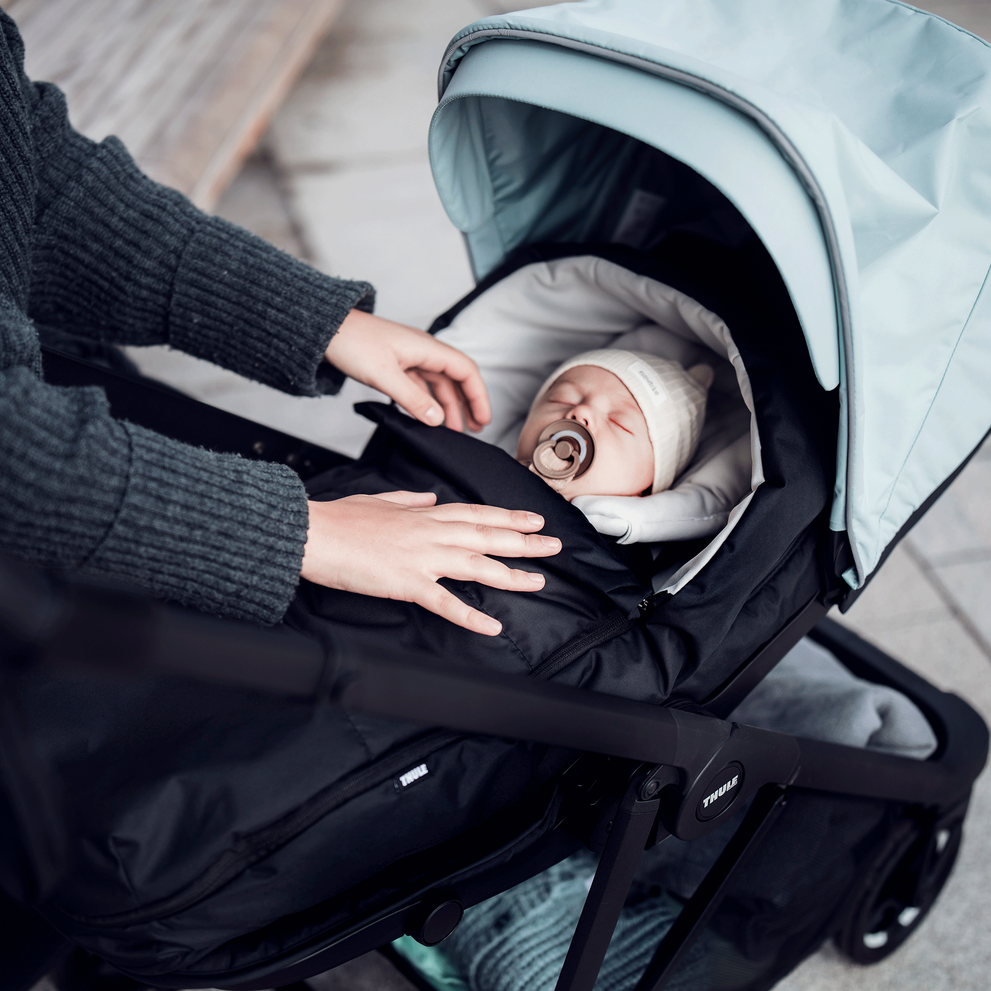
x=645 y=373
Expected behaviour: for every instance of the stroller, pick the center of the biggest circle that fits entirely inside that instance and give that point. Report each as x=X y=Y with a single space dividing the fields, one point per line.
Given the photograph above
x=813 y=202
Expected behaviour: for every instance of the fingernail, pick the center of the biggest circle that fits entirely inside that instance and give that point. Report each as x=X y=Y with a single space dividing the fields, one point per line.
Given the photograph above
x=491 y=626
x=536 y=579
x=551 y=541
x=433 y=416
x=534 y=519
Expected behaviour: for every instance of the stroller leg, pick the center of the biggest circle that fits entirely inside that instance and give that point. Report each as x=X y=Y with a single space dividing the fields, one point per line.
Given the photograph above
x=628 y=836
x=680 y=937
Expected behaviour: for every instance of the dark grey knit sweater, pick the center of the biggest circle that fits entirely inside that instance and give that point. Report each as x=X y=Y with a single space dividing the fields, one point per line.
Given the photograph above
x=88 y=243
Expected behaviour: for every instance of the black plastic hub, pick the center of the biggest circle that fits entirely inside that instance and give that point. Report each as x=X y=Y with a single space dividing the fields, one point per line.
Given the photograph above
x=434 y=919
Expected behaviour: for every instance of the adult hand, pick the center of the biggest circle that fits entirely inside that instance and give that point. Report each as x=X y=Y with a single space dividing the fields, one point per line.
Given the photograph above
x=396 y=546
x=430 y=380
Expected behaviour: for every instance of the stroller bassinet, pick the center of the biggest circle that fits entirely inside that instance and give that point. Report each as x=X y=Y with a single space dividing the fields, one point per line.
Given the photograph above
x=657 y=140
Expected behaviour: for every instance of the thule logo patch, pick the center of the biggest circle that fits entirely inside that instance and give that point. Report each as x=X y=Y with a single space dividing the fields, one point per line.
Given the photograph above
x=720 y=792
x=414 y=774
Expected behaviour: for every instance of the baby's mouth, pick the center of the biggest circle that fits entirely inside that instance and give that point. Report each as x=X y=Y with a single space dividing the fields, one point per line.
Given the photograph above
x=556 y=464
x=564 y=451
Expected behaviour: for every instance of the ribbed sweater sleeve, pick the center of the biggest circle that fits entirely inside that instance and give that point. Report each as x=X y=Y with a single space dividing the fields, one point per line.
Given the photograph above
x=120 y=258
x=83 y=491
x=89 y=244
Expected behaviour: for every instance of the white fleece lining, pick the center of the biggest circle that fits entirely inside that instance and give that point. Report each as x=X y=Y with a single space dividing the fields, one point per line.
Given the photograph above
x=527 y=324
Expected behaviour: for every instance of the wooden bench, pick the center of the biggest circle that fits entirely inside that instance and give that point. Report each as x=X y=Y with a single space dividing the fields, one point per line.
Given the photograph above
x=187 y=85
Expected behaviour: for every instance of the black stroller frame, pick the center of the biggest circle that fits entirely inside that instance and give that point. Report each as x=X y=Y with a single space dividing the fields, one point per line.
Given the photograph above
x=641 y=772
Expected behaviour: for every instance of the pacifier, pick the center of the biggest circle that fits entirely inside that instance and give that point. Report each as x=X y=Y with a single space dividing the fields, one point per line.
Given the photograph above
x=564 y=451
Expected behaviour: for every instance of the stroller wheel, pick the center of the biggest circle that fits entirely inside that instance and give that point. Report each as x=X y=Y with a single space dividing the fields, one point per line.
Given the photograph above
x=900 y=887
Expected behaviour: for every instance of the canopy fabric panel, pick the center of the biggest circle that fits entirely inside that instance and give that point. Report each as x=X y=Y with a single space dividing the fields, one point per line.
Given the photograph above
x=854 y=137
x=542 y=169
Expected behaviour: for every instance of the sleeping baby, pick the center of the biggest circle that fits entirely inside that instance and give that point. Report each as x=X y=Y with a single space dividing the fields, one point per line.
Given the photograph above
x=606 y=422
x=615 y=422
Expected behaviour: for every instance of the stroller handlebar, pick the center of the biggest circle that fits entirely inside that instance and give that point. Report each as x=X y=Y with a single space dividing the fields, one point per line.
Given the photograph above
x=118 y=629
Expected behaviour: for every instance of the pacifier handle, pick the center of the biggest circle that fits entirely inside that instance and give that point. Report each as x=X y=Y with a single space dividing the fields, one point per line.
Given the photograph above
x=568 y=441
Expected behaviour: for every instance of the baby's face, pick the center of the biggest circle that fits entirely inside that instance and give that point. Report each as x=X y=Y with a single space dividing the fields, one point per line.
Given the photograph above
x=624 y=458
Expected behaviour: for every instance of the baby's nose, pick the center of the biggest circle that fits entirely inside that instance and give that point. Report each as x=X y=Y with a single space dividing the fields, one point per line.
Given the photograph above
x=581 y=414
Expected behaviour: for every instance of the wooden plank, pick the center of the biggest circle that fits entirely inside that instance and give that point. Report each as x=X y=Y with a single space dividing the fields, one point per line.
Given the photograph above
x=89 y=46
x=188 y=86
x=167 y=67
x=237 y=97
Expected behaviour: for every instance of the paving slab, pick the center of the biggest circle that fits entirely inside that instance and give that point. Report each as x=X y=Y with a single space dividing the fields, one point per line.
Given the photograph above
x=947 y=533
x=370 y=93
x=959 y=524
x=974 y=15
x=899 y=595
x=971 y=492
x=968 y=586
x=363 y=122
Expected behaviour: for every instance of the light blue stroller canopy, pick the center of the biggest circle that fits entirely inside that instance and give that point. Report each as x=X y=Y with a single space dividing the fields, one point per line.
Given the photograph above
x=854 y=136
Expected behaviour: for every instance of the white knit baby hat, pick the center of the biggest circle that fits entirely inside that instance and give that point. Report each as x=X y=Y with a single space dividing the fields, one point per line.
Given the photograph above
x=671 y=399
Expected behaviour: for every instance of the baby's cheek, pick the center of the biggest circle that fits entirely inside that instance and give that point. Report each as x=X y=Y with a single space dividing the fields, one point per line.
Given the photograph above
x=645 y=479
x=618 y=480
x=586 y=485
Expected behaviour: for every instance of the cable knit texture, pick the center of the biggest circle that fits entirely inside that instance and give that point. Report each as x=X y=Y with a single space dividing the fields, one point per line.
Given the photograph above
x=91 y=245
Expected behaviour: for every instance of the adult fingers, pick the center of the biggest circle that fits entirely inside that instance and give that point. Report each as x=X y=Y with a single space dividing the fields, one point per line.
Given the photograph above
x=458 y=402
x=495 y=574
x=418 y=500
x=458 y=367
x=438 y=600
x=499 y=542
x=477 y=400
x=464 y=406
x=473 y=424
x=473 y=387
x=494 y=516
x=456 y=381
x=412 y=394
x=448 y=396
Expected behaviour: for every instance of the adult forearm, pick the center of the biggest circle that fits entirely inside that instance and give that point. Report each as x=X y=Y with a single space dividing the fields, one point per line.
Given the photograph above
x=243 y=304
x=81 y=491
x=106 y=242
x=118 y=257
